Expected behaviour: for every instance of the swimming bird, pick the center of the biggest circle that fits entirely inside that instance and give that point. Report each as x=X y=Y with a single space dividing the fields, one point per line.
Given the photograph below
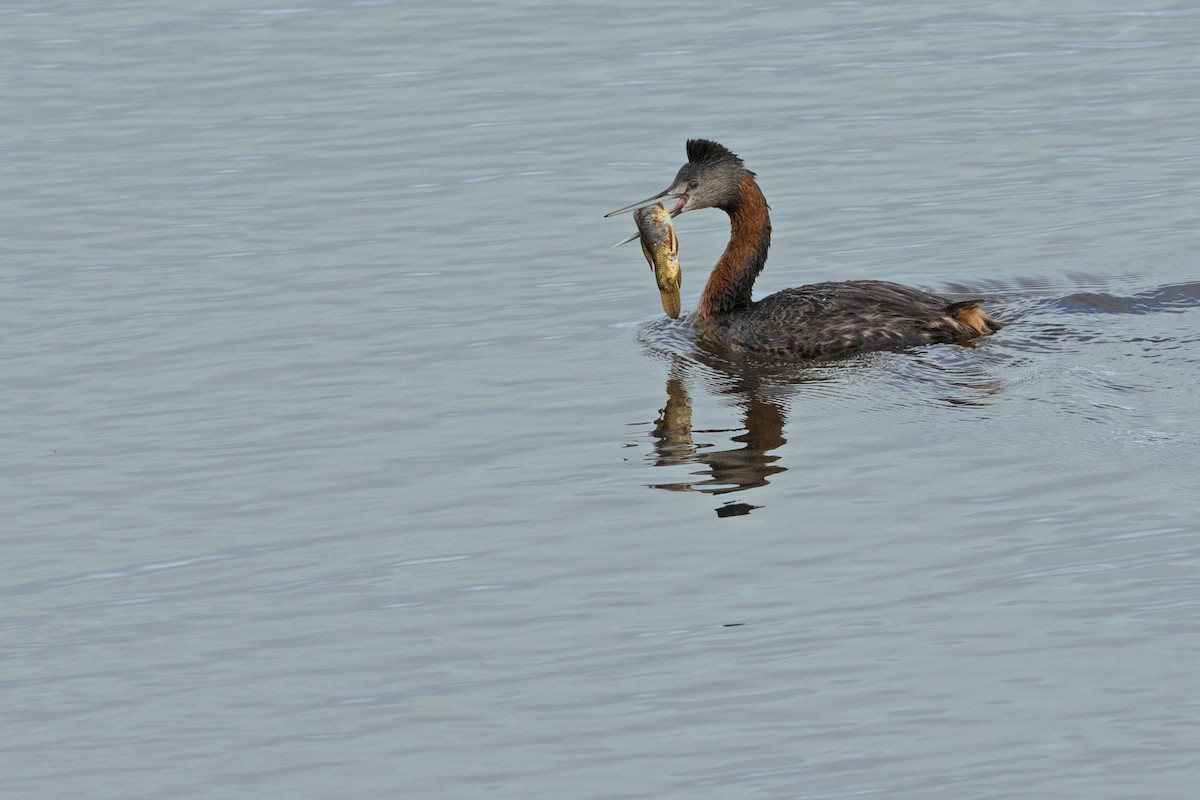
x=821 y=320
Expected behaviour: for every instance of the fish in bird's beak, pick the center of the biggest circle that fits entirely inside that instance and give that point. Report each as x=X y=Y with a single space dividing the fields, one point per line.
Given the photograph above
x=666 y=194
x=661 y=248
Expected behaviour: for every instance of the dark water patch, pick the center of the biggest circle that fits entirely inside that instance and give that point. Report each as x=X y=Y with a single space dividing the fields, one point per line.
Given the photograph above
x=1164 y=299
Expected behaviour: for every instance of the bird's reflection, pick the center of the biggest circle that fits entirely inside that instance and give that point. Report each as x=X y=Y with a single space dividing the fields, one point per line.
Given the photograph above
x=761 y=392
x=755 y=458
x=728 y=470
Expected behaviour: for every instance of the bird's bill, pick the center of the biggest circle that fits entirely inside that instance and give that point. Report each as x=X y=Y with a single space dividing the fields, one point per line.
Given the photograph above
x=649 y=201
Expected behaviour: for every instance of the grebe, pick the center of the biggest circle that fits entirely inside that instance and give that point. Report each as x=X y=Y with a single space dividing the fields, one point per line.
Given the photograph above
x=822 y=320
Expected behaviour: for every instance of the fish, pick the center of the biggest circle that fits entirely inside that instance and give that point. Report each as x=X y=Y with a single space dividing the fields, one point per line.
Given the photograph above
x=661 y=248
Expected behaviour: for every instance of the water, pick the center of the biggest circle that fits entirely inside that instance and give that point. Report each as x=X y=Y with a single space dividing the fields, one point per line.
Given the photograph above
x=343 y=457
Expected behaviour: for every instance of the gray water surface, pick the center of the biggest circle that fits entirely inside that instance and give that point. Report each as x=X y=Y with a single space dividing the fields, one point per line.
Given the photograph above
x=343 y=457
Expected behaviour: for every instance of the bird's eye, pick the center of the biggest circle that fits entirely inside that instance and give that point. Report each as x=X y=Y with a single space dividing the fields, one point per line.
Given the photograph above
x=693 y=183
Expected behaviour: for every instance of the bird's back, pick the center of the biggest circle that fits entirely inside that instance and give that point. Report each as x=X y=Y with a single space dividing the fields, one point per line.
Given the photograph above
x=826 y=320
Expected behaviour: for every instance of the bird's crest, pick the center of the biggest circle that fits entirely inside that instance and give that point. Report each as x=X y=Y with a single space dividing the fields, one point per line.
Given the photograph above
x=706 y=151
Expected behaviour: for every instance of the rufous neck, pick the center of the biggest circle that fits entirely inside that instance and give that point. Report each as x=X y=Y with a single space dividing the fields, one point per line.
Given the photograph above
x=731 y=283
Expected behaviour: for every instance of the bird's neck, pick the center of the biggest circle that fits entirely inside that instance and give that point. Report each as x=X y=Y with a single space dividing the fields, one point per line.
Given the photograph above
x=732 y=279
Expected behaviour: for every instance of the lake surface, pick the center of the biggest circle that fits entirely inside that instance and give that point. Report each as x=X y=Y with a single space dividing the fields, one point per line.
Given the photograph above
x=344 y=457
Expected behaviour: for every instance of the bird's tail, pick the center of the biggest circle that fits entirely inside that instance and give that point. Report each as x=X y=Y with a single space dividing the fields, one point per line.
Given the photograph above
x=972 y=316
